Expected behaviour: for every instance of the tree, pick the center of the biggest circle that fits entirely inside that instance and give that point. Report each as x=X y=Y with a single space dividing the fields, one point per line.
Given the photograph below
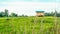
x=6 y=12
x=52 y=13
x=2 y=14
x=14 y=15
x=23 y=15
x=47 y=14
x=26 y=16
x=58 y=14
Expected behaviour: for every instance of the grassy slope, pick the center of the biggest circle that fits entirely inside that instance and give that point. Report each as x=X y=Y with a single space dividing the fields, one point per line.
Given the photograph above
x=20 y=25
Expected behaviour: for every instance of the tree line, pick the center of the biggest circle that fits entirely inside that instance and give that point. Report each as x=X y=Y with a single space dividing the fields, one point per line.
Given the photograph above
x=53 y=14
x=6 y=14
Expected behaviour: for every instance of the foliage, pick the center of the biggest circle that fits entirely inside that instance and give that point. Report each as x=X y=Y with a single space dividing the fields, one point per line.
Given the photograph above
x=52 y=14
x=2 y=14
x=14 y=15
x=6 y=13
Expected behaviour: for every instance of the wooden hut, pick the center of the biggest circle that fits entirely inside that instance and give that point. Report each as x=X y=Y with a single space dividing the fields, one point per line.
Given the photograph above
x=39 y=13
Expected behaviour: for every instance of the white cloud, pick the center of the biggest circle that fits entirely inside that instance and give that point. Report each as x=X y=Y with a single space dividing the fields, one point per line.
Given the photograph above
x=28 y=8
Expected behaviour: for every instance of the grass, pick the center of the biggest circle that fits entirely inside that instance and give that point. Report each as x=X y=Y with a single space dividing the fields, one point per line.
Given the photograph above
x=22 y=25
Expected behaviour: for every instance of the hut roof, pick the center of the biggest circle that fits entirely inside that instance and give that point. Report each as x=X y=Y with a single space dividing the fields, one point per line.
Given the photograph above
x=40 y=11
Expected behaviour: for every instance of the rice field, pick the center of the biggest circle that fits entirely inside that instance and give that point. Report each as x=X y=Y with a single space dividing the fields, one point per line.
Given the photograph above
x=28 y=25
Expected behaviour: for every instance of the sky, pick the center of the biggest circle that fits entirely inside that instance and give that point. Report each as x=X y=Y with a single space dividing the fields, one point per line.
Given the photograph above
x=28 y=7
